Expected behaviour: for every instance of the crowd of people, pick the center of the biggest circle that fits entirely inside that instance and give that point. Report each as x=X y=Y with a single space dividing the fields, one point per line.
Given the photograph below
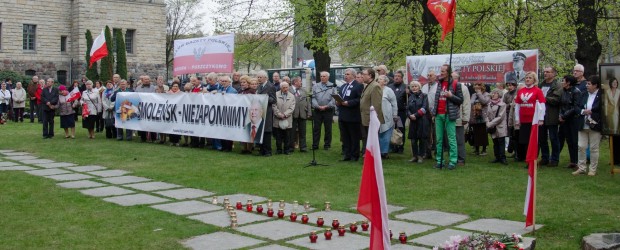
x=442 y=115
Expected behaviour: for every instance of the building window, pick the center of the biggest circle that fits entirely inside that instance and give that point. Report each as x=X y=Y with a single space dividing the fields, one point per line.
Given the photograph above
x=114 y=39
x=29 y=36
x=30 y=73
x=63 y=44
x=129 y=37
x=61 y=76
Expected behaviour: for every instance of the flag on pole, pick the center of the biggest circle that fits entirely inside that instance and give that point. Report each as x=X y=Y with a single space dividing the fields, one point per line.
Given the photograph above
x=445 y=13
x=531 y=158
x=372 y=201
x=74 y=94
x=99 y=49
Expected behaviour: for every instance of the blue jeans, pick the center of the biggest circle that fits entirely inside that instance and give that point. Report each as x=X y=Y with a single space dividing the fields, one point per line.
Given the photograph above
x=552 y=132
x=384 y=140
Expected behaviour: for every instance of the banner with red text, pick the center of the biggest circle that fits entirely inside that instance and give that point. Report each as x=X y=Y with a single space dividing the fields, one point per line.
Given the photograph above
x=204 y=55
x=486 y=67
x=218 y=116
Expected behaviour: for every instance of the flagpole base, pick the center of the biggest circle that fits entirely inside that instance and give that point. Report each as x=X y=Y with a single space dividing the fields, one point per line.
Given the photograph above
x=313 y=163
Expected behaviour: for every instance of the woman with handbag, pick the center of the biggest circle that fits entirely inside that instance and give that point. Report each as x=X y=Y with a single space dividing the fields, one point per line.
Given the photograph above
x=390 y=115
x=19 y=102
x=479 y=106
x=108 y=110
x=419 y=124
x=496 y=126
x=66 y=112
x=91 y=105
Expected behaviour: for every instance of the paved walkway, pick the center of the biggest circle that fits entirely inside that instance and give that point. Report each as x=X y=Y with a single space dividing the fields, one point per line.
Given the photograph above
x=424 y=229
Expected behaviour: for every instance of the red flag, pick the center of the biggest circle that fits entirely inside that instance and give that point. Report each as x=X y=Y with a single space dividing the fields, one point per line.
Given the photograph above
x=74 y=94
x=530 y=158
x=99 y=49
x=372 y=201
x=445 y=13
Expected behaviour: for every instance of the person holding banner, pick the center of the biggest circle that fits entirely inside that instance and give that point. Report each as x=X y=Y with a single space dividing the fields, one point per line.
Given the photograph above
x=196 y=142
x=175 y=90
x=448 y=100
x=225 y=88
x=122 y=87
x=266 y=88
x=146 y=87
x=108 y=110
x=589 y=124
x=525 y=105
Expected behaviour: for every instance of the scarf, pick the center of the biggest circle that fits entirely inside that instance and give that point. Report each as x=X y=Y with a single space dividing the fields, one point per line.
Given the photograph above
x=108 y=92
x=496 y=101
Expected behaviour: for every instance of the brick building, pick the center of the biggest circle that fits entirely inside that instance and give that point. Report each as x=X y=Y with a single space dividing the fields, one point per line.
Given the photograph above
x=47 y=37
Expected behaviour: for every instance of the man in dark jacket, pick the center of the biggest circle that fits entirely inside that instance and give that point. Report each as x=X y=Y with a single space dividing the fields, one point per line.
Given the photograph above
x=552 y=91
x=448 y=100
x=399 y=88
x=266 y=88
x=49 y=100
x=349 y=116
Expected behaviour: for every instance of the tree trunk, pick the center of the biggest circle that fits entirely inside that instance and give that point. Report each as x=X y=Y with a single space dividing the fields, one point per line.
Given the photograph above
x=318 y=42
x=430 y=28
x=588 y=47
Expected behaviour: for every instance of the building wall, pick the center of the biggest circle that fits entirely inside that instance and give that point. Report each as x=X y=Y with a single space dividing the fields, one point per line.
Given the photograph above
x=71 y=18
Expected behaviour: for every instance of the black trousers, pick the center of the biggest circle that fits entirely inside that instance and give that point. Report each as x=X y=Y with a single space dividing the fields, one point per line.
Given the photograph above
x=299 y=134
x=48 y=123
x=110 y=132
x=322 y=118
x=568 y=133
x=18 y=114
x=283 y=140
x=144 y=135
x=265 y=147
x=351 y=135
x=34 y=108
x=197 y=142
x=499 y=148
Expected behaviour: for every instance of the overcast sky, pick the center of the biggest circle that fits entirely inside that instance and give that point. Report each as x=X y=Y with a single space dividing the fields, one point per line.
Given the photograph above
x=208 y=9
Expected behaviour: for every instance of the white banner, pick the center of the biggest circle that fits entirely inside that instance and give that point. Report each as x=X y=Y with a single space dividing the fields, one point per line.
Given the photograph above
x=204 y=55
x=486 y=67
x=229 y=117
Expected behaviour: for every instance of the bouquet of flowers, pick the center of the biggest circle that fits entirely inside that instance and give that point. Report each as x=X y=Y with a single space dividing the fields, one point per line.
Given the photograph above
x=484 y=241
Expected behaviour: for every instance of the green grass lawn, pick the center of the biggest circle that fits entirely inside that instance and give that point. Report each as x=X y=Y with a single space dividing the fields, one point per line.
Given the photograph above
x=38 y=214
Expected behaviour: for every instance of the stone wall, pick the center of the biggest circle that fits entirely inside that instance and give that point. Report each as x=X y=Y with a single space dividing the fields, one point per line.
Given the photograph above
x=71 y=18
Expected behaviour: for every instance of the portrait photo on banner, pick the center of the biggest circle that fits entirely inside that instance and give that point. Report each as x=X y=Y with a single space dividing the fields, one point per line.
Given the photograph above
x=610 y=73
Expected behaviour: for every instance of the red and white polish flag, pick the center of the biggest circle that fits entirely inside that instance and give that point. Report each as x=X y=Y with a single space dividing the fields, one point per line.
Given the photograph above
x=372 y=201
x=99 y=49
x=74 y=94
x=531 y=158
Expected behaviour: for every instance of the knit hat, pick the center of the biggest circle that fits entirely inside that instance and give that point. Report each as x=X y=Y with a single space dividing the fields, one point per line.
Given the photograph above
x=62 y=88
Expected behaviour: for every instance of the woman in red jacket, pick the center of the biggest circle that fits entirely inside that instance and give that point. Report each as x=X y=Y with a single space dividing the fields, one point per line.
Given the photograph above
x=525 y=106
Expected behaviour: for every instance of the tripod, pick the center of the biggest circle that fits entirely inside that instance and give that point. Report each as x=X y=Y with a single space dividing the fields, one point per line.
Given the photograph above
x=314 y=162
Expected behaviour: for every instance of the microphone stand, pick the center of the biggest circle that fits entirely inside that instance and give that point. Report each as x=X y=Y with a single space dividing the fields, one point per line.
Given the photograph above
x=314 y=163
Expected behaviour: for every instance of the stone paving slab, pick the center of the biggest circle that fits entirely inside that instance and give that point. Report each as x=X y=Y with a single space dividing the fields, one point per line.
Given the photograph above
x=433 y=217
x=125 y=179
x=152 y=186
x=349 y=241
x=391 y=208
x=68 y=177
x=43 y=172
x=278 y=229
x=220 y=240
x=273 y=247
x=221 y=218
x=85 y=168
x=406 y=247
x=21 y=157
x=106 y=191
x=437 y=238
x=20 y=168
x=497 y=226
x=15 y=153
x=7 y=164
x=36 y=161
x=185 y=193
x=135 y=199
x=233 y=198
x=56 y=165
x=6 y=151
x=109 y=173
x=80 y=184
x=187 y=207
x=401 y=226
x=343 y=217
